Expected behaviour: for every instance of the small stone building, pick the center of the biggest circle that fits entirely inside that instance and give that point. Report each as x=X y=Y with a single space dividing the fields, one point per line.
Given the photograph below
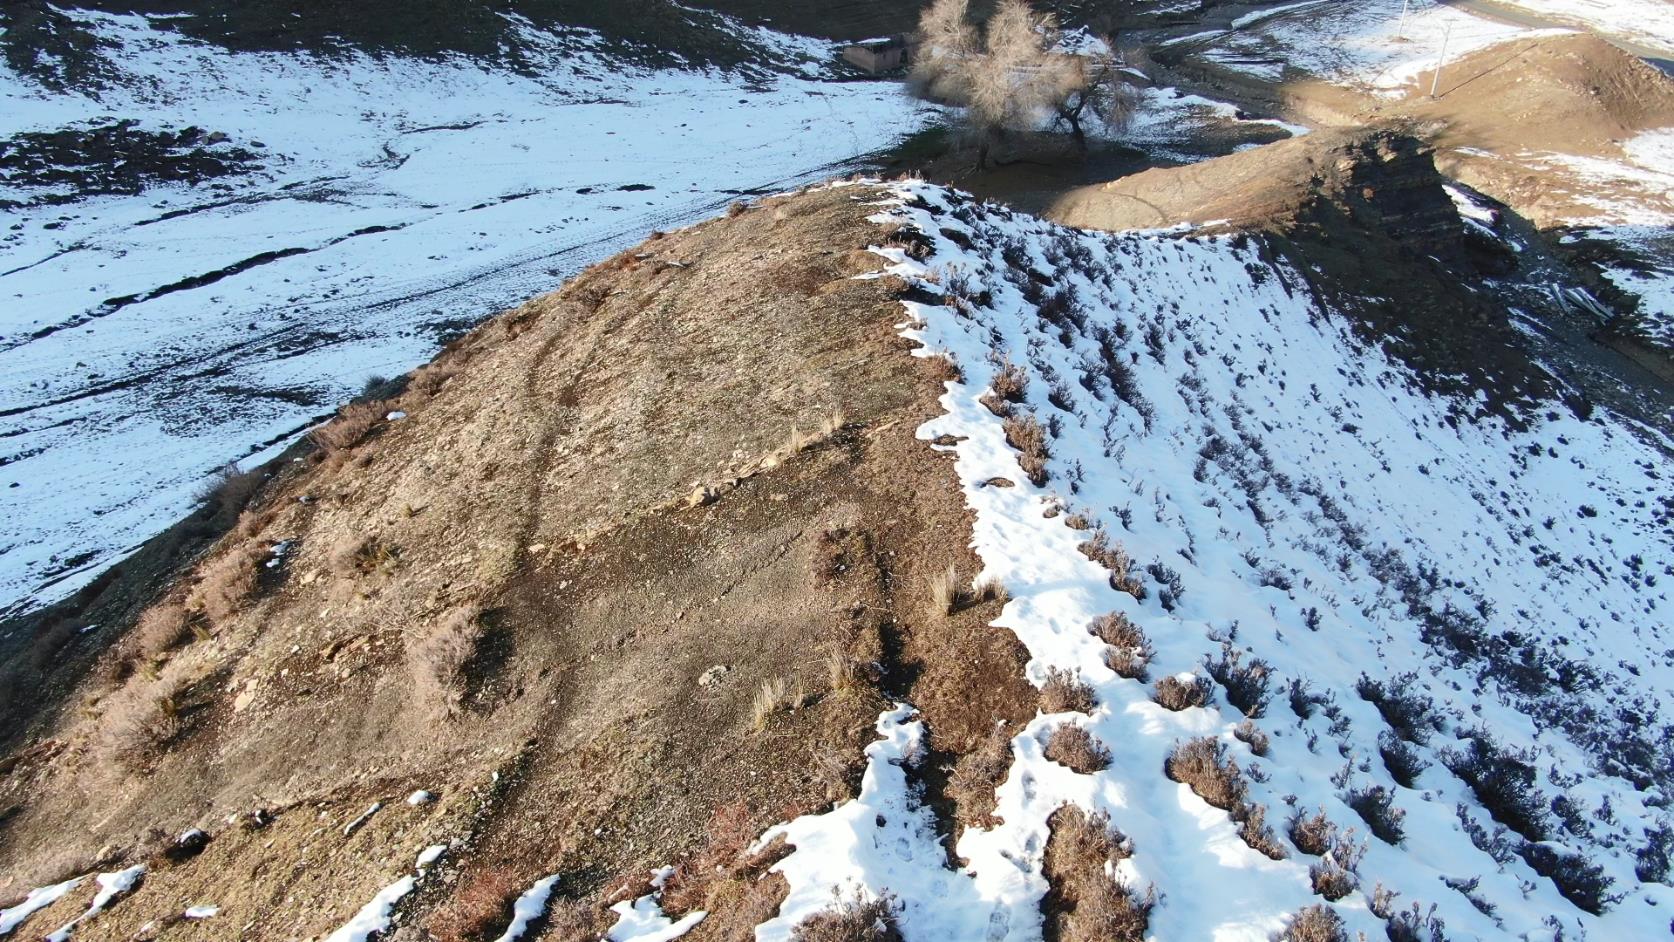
x=878 y=56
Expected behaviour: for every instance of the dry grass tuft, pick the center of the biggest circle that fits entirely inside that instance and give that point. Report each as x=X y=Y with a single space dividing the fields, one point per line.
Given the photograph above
x=1202 y=765
x=439 y=652
x=834 y=423
x=230 y=490
x=1314 y=924
x=139 y=720
x=1083 y=903
x=1251 y=735
x=978 y=773
x=362 y=556
x=1175 y=694
x=162 y=628
x=853 y=920
x=1028 y=436
x=844 y=673
x=944 y=590
x=773 y=696
x=480 y=907
x=1113 y=557
x=1253 y=829
x=1313 y=835
x=1010 y=382
x=1073 y=747
x=991 y=589
x=429 y=379
x=943 y=369
x=228 y=581
x=1130 y=651
x=1065 y=692
x=353 y=423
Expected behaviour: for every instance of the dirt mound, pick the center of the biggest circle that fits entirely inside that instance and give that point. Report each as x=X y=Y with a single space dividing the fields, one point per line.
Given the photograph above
x=1575 y=94
x=1380 y=178
x=635 y=560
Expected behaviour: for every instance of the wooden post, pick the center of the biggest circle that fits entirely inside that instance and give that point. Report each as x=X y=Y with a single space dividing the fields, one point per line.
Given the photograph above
x=1441 y=60
x=1401 y=27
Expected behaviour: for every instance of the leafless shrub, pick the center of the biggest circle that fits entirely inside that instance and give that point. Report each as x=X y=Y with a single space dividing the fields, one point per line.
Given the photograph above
x=351 y=426
x=1028 y=436
x=1065 y=692
x=1202 y=765
x=1504 y=780
x=773 y=696
x=1410 y=714
x=1251 y=735
x=1415 y=925
x=944 y=590
x=1313 y=835
x=1401 y=759
x=481 y=905
x=1315 y=924
x=1083 y=903
x=856 y=919
x=1010 y=382
x=429 y=379
x=1376 y=806
x=1115 y=558
x=161 y=628
x=1245 y=682
x=1130 y=651
x=139 y=720
x=229 y=490
x=228 y=581
x=438 y=653
x=1172 y=693
x=1075 y=748
x=1254 y=830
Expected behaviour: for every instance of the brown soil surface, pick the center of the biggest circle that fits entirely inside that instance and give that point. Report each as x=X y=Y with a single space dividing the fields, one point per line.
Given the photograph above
x=608 y=473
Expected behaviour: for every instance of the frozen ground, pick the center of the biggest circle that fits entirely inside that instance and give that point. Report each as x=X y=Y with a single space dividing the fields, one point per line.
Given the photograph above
x=1486 y=601
x=146 y=340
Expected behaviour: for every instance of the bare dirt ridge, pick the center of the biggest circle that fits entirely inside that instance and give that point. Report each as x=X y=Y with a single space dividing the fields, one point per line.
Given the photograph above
x=548 y=594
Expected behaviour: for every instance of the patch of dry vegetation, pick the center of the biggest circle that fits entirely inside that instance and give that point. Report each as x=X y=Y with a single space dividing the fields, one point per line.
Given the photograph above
x=852 y=920
x=978 y=773
x=480 y=907
x=227 y=583
x=438 y=653
x=354 y=422
x=1084 y=901
x=1203 y=766
x=1174 y=694
x=1075 y=748
x=1028 y=436
x=1065 y=692
x=945 y=594
x=1130 y=650
x=1314 y=924
x=722 y=878
x=775 y=695
x=1114 y=558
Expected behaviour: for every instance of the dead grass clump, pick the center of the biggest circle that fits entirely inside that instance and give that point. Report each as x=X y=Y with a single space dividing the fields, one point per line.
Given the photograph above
x=1083 y=902
x=845 y=674
x=1175 y=694
x=944 y=590
x=773 y=696
x=1315 y=924
x=978 y=773
x=162 y=628
x=351 y=426
x=429 y=379
x=229 y=491
x=1253 y=829
x=362 y=556
x=139 y=721
x=1336 y=875
x=1073 y=747
x=439 y=652
x=991 y=589
x=1251 y=735
x=1314 y=834
x=853 y=920
x=1010 y=382
x=1065 y=692
x=480 y=907
x=1130 y=651
x=228 y=582
x=727 y=836
x=1113 y=557
x=1202 y=765
x=943 y=370
x=1028 y=436
x=1245 y=682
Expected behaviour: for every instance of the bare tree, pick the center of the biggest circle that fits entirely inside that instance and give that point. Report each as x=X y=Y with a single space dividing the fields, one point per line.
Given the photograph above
x=1013 y=76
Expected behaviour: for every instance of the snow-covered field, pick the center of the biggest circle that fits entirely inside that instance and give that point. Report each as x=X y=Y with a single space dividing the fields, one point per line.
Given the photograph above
x=146 y=340
x=1649 y=22
x=1386 y=581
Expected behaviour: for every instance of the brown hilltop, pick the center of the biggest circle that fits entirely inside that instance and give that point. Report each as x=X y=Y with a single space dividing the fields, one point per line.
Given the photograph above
x=698 y=454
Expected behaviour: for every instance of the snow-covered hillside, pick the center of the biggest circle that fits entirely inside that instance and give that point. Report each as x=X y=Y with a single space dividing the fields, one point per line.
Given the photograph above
x=1449 y=639
x=147 y=339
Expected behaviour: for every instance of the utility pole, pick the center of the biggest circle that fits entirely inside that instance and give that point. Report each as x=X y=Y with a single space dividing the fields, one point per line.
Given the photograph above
x=1401 y=28
x=1435 y=83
